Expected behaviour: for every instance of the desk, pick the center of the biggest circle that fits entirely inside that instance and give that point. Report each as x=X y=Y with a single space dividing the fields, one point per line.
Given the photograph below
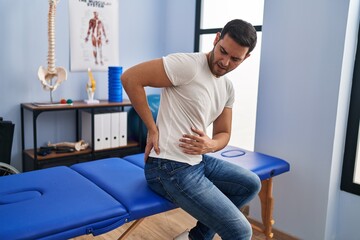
x=32 y=160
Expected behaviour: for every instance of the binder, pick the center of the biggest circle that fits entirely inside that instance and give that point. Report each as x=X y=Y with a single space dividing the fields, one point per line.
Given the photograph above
x=123 y=128
x=115 y=129
x=110 y=129
x=106 y=130
x=98 y=143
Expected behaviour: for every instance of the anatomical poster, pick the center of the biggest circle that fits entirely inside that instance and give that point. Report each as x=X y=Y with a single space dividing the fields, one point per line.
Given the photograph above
x=94 y=34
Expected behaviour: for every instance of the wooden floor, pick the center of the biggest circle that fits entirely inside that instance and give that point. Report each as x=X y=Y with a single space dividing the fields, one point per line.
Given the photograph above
x=164 y=226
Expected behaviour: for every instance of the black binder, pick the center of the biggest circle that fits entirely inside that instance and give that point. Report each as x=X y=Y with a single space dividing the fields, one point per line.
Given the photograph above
x=6 y=140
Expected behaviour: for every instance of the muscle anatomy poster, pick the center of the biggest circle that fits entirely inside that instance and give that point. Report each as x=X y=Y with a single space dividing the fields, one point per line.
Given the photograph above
x=94 y=34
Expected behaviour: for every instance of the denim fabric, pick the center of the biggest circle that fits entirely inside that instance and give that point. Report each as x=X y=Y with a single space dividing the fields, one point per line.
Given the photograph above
x=212 y=191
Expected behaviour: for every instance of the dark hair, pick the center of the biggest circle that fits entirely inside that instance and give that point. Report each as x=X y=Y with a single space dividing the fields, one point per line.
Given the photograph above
x=241 y=32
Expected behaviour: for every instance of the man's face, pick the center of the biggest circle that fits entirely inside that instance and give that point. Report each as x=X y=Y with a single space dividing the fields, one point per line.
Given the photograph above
x=226 y=55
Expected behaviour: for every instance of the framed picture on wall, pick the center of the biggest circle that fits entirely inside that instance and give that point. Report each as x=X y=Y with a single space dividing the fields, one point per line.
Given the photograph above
x=94 y=34
x=350 y=178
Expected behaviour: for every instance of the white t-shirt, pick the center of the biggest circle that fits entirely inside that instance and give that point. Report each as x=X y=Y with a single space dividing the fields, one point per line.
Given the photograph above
x=196 y=99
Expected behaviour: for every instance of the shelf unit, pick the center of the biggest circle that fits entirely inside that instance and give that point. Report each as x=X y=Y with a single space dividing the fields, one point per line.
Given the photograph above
x=32 y=160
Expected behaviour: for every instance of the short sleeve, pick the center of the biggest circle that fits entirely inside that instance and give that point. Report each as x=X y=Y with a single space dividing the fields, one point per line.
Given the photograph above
x=181 y=68
x=231 y=94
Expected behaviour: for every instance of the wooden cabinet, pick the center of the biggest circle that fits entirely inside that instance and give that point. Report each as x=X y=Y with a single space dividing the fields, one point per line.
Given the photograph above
x=32 y=160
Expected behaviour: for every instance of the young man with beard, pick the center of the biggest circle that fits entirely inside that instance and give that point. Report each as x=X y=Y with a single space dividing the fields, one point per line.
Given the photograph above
x=196 y=93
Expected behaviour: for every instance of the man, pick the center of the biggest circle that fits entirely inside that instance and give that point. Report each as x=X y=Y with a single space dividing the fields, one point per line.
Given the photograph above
x=96 y=28
x=195 y=94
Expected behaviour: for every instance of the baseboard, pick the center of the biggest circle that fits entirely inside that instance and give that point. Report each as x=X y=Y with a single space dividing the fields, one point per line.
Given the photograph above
x=278 y=234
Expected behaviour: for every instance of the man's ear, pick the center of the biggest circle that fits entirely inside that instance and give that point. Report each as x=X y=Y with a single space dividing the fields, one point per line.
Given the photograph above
x=247 y=55
x=217 y=38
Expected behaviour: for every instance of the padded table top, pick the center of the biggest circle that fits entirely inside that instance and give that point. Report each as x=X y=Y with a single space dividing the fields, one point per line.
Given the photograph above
x=264 y=166
x=55 y=203
x=126 y=183
x=95 y=197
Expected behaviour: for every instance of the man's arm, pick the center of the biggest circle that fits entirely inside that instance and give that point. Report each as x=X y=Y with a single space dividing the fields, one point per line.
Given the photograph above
x=134 y=80
x=200 y=143
x=103 y=31
x=222 y=129
x=89 y=29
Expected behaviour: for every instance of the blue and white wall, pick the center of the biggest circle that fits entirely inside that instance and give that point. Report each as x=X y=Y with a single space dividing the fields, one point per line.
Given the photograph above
x=146 y=32
x=305 y=80
x=308 y=51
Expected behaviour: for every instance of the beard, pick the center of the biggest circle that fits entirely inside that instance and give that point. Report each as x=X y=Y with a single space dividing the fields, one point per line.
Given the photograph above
x=215 y=67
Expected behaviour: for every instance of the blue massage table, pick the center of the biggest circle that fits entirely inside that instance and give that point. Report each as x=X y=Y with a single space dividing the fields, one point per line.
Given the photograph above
x=99 y=196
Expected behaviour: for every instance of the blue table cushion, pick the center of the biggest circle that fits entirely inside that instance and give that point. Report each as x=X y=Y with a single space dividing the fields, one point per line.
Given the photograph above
x=55 y=203
x=263 y=165
x=126 y=183
x=137 y=159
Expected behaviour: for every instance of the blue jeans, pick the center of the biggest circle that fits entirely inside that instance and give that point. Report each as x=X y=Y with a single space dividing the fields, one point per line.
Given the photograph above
x=212 y=191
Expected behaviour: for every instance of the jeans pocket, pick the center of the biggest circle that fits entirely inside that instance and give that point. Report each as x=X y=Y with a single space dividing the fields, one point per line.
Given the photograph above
x=154 y=182
x=151 y=170
x=175 y=167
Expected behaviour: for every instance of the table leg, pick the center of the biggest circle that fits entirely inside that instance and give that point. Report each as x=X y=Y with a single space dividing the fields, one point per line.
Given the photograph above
x=267 y=206
x=130 y=229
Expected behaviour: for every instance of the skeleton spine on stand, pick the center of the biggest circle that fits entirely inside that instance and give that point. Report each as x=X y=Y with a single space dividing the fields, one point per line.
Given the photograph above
x=46 y=75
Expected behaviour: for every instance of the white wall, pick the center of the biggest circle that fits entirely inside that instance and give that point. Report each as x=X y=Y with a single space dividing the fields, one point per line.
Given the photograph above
x=300 y=78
